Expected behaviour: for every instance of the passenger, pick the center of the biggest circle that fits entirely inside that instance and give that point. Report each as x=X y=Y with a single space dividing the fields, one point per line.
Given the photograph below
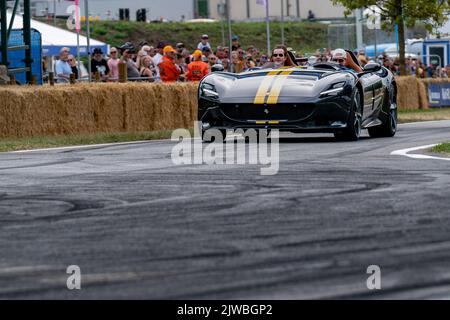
x=345 y=60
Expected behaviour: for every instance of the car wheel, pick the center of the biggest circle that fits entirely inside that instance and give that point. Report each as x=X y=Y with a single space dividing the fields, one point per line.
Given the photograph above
x=389 y=127
x=208 y=137
x=259 y=133
x=353 y=130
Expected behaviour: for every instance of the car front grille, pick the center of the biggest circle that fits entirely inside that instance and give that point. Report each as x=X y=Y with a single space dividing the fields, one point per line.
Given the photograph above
x=290 y=112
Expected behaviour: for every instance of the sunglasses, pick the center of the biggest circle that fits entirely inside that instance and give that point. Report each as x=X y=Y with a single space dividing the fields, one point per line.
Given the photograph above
x=112 y=52
x=339 y=60
x=281 y=55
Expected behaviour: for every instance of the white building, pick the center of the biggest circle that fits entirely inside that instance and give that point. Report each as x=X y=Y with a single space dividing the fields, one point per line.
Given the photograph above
x=176 y=10
x=109 y=9
x=293 y=9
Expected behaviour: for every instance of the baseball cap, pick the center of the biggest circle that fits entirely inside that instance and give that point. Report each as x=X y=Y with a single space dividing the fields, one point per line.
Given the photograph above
x=205 y=36
x=197 y=54
x=339 y=54
x=127 y=46
x=168 y=49
x=98 y=51
x=235 y=38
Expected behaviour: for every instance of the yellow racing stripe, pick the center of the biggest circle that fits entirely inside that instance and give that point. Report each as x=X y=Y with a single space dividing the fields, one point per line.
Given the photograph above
x=267 y=122
x=260 y=97
x=276 y=89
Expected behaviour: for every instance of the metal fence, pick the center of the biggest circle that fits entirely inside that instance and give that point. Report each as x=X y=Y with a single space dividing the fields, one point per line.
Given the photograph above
x=344 y=35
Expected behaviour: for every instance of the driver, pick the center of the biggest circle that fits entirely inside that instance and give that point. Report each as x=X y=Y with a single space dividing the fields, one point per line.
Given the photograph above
x=280 y=58
x=343 y=58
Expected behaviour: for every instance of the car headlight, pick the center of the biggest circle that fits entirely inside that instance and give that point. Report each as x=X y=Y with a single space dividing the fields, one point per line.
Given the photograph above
x=209 y=91
x=334 y=90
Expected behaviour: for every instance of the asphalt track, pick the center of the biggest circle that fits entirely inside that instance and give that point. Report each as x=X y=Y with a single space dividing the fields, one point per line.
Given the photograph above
x=140 y=227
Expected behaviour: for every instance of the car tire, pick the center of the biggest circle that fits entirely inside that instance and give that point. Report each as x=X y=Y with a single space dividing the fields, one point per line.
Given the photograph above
x=207 y=138
x=353 y=130
x=258 y=136
x=389 y=127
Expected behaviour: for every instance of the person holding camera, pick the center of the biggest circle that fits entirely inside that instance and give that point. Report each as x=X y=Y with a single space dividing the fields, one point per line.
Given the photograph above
x=128 y=51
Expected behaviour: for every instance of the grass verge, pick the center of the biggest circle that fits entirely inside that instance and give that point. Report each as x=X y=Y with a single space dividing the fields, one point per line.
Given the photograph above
x=15 y=144
x=405 y=116
x=442 y=148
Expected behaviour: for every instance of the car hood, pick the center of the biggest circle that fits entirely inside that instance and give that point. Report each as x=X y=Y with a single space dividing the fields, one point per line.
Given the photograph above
x=278 y=86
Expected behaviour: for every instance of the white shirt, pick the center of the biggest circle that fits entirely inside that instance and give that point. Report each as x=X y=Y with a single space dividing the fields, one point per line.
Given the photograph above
x=157 y=59
x=201 y=46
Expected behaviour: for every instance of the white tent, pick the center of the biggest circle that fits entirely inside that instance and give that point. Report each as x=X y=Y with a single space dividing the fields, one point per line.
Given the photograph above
x=53 y=38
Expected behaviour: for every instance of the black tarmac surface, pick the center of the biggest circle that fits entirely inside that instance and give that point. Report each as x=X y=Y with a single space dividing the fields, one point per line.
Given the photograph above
x=140 y=227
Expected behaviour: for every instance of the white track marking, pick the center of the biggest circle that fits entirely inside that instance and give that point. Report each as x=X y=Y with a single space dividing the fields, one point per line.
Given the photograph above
x=112 y=144
x=85 y=146
x=421 y=122
x=405 y=152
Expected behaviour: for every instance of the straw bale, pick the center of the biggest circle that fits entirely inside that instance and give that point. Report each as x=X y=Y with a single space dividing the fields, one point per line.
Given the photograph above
x=407 y=93
x=90 y=108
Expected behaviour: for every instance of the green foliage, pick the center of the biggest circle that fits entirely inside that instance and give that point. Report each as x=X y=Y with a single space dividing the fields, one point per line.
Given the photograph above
x=432 y=12
x=404 y=12
x=442 y=148
x=301 y=36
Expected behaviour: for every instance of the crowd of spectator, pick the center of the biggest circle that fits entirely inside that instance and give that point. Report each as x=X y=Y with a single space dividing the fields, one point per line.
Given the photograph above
x=168 y=63
x=413 y=64
x=164 y=62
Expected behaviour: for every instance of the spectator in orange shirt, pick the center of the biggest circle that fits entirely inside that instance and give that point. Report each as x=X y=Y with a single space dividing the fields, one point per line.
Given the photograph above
x=168 y=70
x=197 y=69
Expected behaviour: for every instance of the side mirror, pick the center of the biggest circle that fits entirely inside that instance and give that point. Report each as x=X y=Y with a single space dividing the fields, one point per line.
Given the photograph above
x=372 y=67
x=217 y=68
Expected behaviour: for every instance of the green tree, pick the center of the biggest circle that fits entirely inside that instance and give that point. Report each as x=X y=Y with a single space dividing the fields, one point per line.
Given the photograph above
x=403 y=12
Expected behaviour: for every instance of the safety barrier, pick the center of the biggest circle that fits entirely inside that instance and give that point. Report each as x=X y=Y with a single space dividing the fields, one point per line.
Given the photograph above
x=411 y=94
x=92 y=108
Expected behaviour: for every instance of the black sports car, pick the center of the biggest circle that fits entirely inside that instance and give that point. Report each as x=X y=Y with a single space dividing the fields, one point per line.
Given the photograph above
x=324 y=97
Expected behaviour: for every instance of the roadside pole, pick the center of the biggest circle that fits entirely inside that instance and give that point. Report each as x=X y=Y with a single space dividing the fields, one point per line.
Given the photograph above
x=88 y=36
x=268 y=28
x=266 y=4
x=230 y=36
x=282 y=22
x=359 y=29
x=78 y=29
x=222 y=22
x=54 y=13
